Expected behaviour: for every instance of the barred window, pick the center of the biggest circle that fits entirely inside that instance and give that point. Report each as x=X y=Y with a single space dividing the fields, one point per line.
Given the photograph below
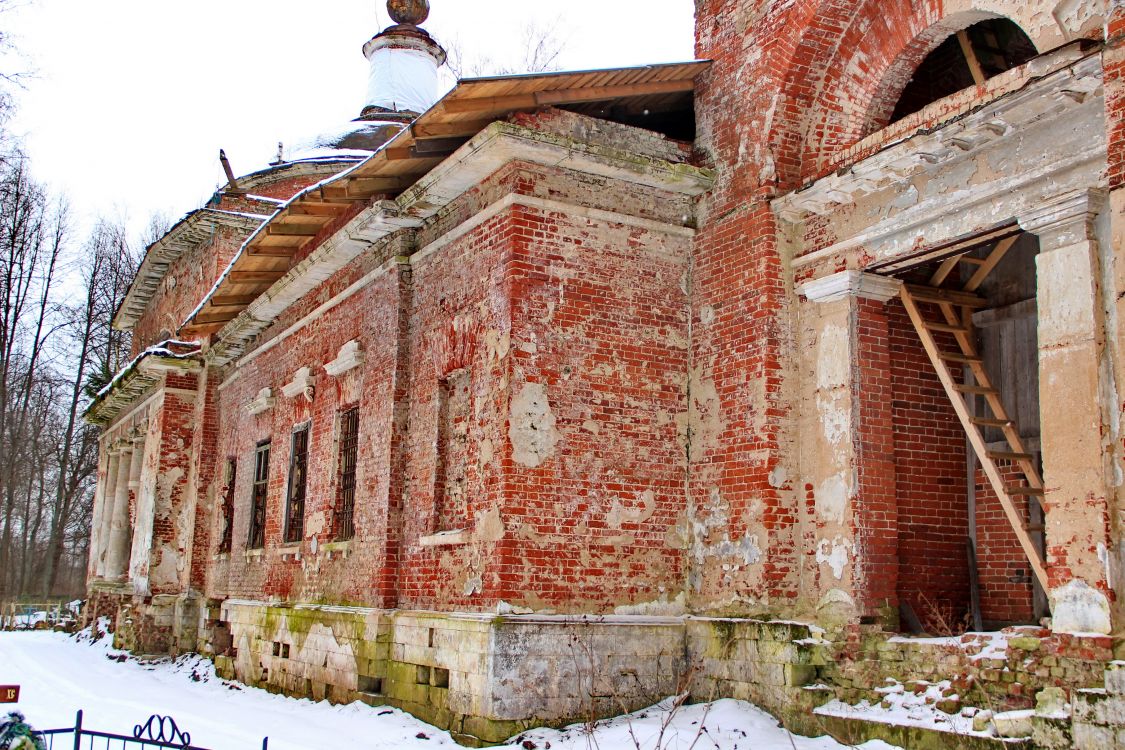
x=345 y=487
x=227 y=537
x=298 y=477
x=257 y=538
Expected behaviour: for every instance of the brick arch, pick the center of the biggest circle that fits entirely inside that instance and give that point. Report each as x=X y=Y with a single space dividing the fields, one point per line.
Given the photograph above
x=847 y=71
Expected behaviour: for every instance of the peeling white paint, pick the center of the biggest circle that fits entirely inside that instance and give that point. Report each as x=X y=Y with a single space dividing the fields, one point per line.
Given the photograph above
x=834 y=554
x=831 y=497
x=531 y=426
x=1077 y=607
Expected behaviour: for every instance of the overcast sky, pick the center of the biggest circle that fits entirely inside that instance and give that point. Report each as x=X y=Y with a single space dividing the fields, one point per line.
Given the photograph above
x=132 y=100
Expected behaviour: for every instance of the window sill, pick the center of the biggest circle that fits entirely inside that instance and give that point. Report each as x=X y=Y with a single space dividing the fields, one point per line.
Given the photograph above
x=290 y=551
x=335 y=550
x=447 y=538
x=221 y=556
x=254 y=554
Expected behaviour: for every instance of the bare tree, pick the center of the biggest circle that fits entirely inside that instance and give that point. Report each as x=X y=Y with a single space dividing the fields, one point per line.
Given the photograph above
x=540 y=50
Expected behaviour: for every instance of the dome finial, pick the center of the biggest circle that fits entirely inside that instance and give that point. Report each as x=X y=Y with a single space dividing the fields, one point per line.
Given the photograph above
x=411 y=12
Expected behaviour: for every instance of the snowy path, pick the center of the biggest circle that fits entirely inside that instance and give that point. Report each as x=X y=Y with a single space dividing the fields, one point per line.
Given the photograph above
x=59 y=675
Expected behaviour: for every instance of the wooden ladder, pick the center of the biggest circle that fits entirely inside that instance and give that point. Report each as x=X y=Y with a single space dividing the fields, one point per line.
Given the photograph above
x=957 y=308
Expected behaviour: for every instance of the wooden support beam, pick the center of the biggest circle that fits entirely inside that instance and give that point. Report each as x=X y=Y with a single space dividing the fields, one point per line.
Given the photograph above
x=448 y=129
x=971 y=57
x=566 y=96
x=315 y=207
x=271 y=251
x=255 y=277
x=334 y=194
x=285 y=229
x=214 y=317
x=305 y=219
x=232 y=300
x=200 y=329
x=986 y=457
x=378 y=184
x=998 y=252
x=929 y=294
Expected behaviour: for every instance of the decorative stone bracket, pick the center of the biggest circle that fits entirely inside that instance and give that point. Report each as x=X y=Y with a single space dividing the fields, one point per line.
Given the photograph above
x=351 y=355
x=262 y=402
x=302 y=384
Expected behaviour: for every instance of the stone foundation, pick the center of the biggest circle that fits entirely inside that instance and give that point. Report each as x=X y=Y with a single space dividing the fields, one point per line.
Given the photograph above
x=487 y=677
x=162 y=624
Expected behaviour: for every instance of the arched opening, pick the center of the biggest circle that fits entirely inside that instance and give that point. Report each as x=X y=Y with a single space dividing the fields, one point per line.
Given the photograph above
x=968 y=57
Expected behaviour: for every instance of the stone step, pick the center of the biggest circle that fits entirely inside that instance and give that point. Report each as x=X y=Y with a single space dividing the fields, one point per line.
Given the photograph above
x=855 y=731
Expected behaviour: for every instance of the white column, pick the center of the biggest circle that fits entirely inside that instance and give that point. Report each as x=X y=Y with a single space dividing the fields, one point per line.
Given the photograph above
x=109 y=495
x=117 y=555
x=96 y=515
x=1076 y=420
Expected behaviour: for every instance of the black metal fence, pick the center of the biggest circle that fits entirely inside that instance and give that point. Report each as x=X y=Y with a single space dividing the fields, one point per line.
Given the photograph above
x=158 y=731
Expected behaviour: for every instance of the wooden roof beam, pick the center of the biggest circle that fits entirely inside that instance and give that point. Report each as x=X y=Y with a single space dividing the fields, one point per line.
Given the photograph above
x=255 y=277
x=423 y=131
x=233 y=300
x=201 y=329
x=281 y=229
x=215 y=317
x=566 y=96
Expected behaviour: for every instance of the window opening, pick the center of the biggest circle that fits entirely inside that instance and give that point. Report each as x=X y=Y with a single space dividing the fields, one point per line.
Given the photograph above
x=227 y=537
x=345 y=487
x=970 y=56
x=257 y=538
x=298 y=475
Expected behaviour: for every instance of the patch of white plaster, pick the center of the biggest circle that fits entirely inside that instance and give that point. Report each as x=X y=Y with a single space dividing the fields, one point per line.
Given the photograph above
x=531 y=426
x=832 y=498
x=833 y=362
x=1077 y=607
x=778 y=477
x=490 y=526
x=834 y=553
x=662 y=607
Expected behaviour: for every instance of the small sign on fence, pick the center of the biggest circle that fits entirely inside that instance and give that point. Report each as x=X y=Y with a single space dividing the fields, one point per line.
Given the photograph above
x=9 y=693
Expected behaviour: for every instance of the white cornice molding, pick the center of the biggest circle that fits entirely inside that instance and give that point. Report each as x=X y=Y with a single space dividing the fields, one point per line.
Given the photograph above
x=1065 y=220
x=847 y=284
x=303 y=383
x=351 y=355
x=264 y=401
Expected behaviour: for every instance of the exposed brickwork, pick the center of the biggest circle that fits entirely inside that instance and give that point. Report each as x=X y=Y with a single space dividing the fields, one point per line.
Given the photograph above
x=579 y=393
x=930 y=480
x=1005 y=576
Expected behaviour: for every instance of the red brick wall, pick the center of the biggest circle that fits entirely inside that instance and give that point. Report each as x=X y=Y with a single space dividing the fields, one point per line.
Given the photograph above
x=599 y=319
x=1003 y=568
x=171 y=528
x=930 y=481
x=370 y=315
x=876 y=503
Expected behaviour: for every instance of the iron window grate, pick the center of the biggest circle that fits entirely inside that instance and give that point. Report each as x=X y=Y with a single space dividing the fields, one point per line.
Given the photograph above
x=298 y=476
x=257 y=538
x=346 y=486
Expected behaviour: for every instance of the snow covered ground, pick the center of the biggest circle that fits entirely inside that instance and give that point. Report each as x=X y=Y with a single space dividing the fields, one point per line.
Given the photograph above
x=59 y=674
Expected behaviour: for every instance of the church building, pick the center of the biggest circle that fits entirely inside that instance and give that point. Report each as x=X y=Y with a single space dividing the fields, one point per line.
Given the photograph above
x=560 y=393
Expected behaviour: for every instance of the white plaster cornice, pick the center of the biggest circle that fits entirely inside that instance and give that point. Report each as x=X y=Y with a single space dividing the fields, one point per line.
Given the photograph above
x=1066 y=219
x=264 y=401
x=1057 y=93
x=303 y=383
x=846 y=284
x=351 y=355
